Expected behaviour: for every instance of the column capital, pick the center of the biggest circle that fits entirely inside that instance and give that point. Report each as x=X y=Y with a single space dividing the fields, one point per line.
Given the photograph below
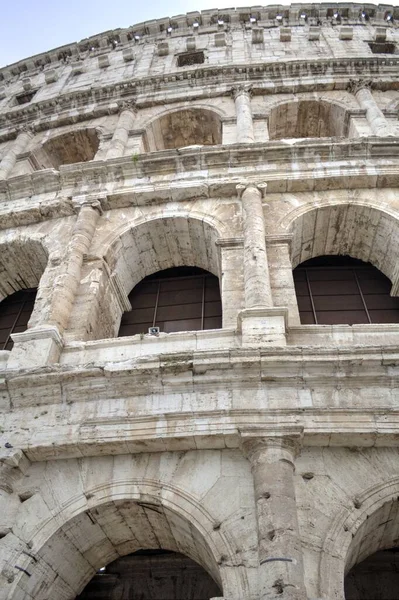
x=238 y=90
x=127 y=105
x=29 y=129
x=97 y=203
x=261 y=187
x=355 y=85
x=270 y=444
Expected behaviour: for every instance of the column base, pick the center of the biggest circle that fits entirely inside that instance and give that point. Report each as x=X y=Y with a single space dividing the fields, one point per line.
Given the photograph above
x=263 y=326
x=36 y=347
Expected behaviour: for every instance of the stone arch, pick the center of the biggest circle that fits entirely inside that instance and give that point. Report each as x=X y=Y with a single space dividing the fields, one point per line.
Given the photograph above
x=139 y=248
x=343 y=546
x=358 y=229
x=151 y=245
x=183 y=126
x=22 y=264
x=308 y=117
x=77 y=145
x=84 y=535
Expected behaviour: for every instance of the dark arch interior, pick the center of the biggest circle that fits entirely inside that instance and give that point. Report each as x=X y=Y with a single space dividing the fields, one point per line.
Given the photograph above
x=307 y=119
x=375 y=578
x=15 y=312
x=151 y=575
x=72 y=147
x=343 y=290
x=176 y=299
x=182 y=128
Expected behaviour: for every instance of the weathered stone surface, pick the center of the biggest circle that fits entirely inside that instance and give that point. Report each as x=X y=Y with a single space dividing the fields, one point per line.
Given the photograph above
x=265 y=451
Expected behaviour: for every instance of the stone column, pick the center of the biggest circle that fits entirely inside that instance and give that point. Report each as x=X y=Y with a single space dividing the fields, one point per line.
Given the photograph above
x=375 y=117
x=256 y=270
x=272 y=457
x=245 y=126
x=18 y=147
x=121 y=133
x=67 y=283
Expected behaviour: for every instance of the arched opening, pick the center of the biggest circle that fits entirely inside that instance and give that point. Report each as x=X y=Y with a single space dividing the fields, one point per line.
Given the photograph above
x=187 y=127
x=375 y=578
x=15 y=312
x=340 y=289
x=142 y=250
x=307 y=119
x=176 y=299
x=357 y=230
x=66 y=149
x=22 y=264
x=373 y=559
x=97 y=536
x=151 y=575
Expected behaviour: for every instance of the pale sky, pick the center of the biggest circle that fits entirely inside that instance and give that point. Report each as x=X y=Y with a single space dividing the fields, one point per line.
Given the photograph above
x=28 y=27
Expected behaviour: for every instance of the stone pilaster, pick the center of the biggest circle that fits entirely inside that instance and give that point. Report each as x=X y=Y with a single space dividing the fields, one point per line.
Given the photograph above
x=259 y=321
x=272 y=456
x=17 y=147
x=256 y=270
x=375 y=117
x=245 y=126
x=67 y=283
x=121 y=133
x=42 y=345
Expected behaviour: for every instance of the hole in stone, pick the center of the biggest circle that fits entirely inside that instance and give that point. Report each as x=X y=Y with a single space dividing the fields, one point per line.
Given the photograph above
x=25 y=496
x=266 y=495
x=382 y=47
x=24 y=98
x=190 y=58
x=307 y=476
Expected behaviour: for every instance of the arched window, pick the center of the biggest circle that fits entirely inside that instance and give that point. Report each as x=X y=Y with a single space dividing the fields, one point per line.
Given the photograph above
x=176 y=299
x=343 y=290
x=15 y=312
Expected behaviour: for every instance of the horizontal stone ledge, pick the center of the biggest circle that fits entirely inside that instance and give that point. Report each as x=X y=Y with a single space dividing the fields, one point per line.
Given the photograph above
x=211 y=431
x=320 y=166
x=195 y=373
x=293 y=76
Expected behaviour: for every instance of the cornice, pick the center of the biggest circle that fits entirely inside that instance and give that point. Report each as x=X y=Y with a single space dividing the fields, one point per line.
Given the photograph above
x=209 y=430
x=290 y=76
x=207 y=20
x=336 y=164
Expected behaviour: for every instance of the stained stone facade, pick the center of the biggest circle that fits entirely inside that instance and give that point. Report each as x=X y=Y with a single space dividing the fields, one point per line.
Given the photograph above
x=255 y=461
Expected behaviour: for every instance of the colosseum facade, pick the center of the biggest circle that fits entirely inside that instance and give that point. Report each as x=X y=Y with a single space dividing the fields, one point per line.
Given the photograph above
x=199 y=318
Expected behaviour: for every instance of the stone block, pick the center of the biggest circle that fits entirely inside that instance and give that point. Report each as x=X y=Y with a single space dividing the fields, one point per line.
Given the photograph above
x=103 y=61
x=285 y=34
x=51 y=76
x=27 y=84
x=163 y=48
x=257 y=35
x=314 y=34
x=78 y=67
x=220 y=39
x=346 y=33
x=128 y=55
x=35 y=347
x=380 y=34
x=190 y=43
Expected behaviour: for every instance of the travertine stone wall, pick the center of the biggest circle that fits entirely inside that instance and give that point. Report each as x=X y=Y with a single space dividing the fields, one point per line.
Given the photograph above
x=265 y=451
